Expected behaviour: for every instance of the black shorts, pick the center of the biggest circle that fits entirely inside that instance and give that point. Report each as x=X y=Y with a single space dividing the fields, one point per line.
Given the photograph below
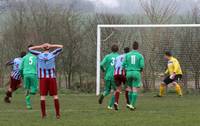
x=167 y=80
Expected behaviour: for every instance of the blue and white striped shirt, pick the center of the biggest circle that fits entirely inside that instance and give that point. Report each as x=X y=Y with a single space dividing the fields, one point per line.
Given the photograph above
x=46 y=63
x=15 y=73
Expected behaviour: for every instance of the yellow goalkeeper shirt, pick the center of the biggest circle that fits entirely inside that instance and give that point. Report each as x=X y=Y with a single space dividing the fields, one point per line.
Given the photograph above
x=173 y=66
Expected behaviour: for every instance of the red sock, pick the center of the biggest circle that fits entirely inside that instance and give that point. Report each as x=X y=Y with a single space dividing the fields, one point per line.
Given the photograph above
x=57 y=107
x=9 y=94
x=117 y=97
x=126 y=96
x=43 y=108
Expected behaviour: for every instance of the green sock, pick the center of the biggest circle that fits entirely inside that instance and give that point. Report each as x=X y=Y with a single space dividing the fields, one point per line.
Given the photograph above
x=112 y=101
x=106 y=93
x=134 y=98
x=130 y=96
x=28 y=100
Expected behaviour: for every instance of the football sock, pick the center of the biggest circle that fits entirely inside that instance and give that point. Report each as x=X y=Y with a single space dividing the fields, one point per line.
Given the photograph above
x=112 y=101
x=130 y=96
x=43 y=108
x=57 y=107
x=178 y=89
x=117 y=93
x=162 y=89
x=127 y=98
x=28 y=100
x=134 y=98
x=106 y=93
x=9 y=94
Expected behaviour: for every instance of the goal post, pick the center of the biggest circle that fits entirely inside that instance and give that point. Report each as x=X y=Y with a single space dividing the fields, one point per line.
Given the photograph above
x=98 y=71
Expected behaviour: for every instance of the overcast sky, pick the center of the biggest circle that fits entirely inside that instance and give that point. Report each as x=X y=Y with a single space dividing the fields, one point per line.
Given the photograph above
x=117 y=6
x=133 y=6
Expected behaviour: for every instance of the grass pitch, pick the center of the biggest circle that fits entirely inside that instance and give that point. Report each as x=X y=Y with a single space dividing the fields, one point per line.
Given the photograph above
x=83 y=110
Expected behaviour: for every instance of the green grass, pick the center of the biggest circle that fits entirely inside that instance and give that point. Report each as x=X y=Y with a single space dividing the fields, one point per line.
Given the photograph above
x=83 y=110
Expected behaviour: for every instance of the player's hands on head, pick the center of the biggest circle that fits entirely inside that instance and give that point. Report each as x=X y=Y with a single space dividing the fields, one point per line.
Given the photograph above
x=46 y=46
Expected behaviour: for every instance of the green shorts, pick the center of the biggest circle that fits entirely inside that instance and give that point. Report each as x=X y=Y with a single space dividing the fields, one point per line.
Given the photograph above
x=133 y=78
x=110 y=84
x=31 y=83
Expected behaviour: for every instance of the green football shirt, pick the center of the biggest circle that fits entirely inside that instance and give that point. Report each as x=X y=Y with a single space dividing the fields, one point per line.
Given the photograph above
x=29 y=64
x=107 y=65
x=134 y=61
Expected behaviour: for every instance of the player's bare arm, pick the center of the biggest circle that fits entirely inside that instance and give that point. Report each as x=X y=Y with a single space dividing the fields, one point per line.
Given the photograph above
x=42 y=46
x=37 y=47
x=55 y=46
x=9 y=63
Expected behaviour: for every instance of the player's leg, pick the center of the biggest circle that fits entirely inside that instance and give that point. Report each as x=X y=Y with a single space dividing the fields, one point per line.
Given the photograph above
x=112 y=100
x=8 y=95
x=117 y=95
x=43 y=105
x=8 y=92
x=163 y=84
x=129 y=94
x=129 y=81
x=118 y=83
x=34 y=85
x=43 y=94
x=53 y=92
x=32 y=89
x=26 y=81
x=136 y=83
x=127 y=89
x=107 y=88
x=14 y=85
x=178 y=88
x=177 y=85
x=162 y=89
x=106 y=92
x=57 y=106
x=134 y=97
x=28 y=100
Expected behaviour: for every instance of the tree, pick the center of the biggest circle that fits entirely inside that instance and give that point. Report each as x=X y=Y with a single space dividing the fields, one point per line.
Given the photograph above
x=157 y=12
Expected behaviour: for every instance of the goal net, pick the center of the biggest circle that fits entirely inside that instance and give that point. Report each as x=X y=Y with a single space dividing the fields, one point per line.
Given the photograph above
x=182 y=39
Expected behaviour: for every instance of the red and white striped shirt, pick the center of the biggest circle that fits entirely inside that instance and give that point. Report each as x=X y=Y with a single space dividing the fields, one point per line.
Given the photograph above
x=118 y=65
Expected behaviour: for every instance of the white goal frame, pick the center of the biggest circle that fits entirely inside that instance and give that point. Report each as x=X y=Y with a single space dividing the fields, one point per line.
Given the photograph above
x=99 y=26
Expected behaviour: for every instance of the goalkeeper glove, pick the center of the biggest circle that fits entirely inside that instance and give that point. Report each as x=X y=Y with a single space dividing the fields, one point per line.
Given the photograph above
x=172 y=76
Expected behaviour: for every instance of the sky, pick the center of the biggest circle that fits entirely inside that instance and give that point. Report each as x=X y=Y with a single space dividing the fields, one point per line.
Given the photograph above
x=117 y=6
x=133 y=6
x=125 y=6
x=106 y=3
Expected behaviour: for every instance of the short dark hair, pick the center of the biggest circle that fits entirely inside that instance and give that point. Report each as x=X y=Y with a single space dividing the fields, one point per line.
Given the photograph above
x=135 y=45
x=168 y=53
x=114 y=48
x=46 y=48
x=30 y=45
x=126 y=49
x=22 y=54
